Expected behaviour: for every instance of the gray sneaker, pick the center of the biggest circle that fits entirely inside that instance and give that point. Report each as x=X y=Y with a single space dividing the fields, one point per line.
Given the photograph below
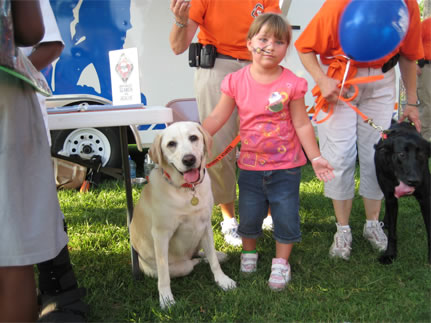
x=341 y=246
x=373 y=232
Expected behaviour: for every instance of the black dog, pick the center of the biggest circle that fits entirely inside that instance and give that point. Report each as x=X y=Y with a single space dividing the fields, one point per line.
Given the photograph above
x=401 y=161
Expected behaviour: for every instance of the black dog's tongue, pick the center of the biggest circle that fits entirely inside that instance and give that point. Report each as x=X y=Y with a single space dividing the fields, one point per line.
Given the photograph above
x=403 y=189
x=191 y=176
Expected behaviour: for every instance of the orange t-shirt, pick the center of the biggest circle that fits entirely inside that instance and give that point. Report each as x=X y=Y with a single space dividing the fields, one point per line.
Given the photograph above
x=225 y=23
x=426 y=37
x=321 y=35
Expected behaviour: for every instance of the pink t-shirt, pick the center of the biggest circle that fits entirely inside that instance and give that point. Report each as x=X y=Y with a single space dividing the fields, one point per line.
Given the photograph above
x=268 y=138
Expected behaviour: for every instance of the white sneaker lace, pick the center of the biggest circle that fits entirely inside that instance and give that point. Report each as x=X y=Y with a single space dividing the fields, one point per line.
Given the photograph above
x=341 y=240
x=375 y=232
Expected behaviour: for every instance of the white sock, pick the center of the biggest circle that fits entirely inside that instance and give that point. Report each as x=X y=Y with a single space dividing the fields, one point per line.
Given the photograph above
x=371 y=222
x=343 y=227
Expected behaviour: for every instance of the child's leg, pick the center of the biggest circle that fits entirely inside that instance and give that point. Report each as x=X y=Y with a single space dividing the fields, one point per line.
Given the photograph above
x=17 y=294
x=283 y=250
x=283 y=192
x=249 y=255
x=253 y=207
x=280 y=269
x=248 y=244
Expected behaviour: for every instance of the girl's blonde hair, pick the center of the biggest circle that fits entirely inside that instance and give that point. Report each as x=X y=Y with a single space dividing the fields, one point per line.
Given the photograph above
x=275 y=24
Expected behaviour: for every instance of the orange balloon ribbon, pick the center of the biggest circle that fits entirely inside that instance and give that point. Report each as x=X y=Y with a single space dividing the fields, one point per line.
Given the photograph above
x=322 y=104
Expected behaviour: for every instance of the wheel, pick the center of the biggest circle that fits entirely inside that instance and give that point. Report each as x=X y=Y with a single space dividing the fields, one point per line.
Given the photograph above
x=89 y=142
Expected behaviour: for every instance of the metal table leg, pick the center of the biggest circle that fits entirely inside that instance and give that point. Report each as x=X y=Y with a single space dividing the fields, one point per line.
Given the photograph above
x=128 y=185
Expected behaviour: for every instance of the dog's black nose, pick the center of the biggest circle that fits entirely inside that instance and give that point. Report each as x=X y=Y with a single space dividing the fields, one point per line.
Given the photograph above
x=413 y=181
x=189 y=160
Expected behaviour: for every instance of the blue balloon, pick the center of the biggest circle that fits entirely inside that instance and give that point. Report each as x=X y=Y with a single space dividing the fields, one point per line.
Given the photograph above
x=371 y=29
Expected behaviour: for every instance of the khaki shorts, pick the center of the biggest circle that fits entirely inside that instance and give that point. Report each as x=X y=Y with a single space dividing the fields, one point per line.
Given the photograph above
x=207 y=88
x=424 y=95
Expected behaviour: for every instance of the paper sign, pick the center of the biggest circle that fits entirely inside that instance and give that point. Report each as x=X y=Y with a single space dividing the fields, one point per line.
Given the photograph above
x=125 y=76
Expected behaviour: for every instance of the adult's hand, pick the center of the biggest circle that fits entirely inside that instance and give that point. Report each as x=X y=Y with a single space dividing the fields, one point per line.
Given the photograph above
x=329 y=88
x=180 y=9
x=183 y=28
x=411 y=113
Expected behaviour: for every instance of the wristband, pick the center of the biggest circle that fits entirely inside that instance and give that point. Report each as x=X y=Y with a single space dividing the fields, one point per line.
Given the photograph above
x=180 y=25
x=316 y=158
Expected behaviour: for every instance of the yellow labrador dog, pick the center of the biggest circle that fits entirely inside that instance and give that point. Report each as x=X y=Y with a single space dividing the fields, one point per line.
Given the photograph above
x=172 y=219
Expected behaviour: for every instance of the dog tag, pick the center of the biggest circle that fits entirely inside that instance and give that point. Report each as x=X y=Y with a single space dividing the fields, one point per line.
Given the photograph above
x=194 y=201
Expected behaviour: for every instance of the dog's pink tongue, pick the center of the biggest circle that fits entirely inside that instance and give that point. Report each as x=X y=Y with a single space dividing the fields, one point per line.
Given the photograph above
x=403 y=189
x=191 y=176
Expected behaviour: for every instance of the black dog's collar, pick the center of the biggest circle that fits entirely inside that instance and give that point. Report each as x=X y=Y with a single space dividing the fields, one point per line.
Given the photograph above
x=387 y=132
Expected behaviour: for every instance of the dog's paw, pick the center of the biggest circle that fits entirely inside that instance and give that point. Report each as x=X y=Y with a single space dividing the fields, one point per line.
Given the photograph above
x=166 y=300
x=225 y=282
x=386 y=259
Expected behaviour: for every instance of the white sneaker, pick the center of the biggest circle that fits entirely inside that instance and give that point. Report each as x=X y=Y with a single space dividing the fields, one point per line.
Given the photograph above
x=229 y=229
x=268 y=224
x=280 y=274
x=248 y=262
x=373 y=232
x=342 y=243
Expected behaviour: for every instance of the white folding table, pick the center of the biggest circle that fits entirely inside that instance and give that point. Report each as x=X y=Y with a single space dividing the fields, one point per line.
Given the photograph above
x=112 y=116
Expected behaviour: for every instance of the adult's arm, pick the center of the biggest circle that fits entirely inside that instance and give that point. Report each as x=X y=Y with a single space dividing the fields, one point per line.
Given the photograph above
x=45 y=53
x=183 y=29
x=27 y=21
x=221 y=113
x=328 y=86
x=408 y=75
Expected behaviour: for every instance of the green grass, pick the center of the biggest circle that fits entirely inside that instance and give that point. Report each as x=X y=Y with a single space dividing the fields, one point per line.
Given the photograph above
x=322 y=289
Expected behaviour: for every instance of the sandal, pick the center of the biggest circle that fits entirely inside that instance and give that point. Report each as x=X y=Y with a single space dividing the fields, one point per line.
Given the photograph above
x=64 y=307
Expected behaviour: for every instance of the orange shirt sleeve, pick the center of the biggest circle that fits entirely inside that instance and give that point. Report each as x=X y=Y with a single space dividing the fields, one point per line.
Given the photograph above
x=411 y=47
x=321 y=34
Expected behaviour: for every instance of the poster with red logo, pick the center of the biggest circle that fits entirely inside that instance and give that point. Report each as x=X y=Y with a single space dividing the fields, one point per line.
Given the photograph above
x=125 y=76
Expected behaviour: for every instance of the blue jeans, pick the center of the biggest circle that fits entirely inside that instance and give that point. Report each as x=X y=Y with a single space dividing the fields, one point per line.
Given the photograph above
x=278 y=189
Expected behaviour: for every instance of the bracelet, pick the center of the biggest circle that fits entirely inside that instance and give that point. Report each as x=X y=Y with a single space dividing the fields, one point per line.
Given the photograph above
x=316 y=158
x=180 y=25
x=416 y=104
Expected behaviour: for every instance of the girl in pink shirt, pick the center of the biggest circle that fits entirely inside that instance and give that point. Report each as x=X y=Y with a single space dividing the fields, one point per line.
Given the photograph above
x=274 y=127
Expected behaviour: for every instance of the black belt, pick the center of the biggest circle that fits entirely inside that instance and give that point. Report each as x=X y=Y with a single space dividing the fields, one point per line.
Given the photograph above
x=390 y=63
x=422 y=62
x=230 y=57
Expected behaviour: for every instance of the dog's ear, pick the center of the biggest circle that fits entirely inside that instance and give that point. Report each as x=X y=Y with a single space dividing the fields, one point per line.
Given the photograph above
x=385 y=145
x=208 y=140
x=155 y=151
